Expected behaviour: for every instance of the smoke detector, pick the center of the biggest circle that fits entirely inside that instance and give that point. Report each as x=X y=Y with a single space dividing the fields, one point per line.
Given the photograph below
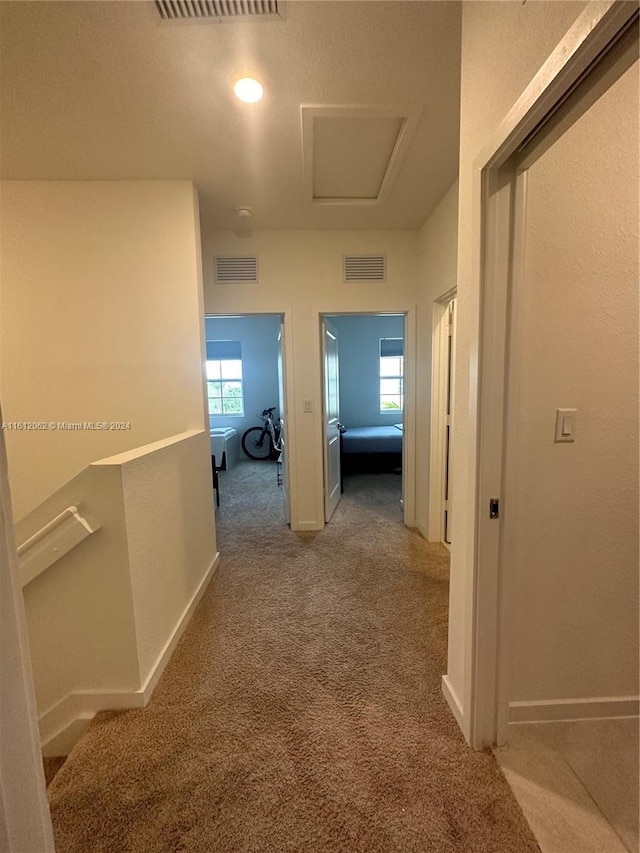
x=245 y=212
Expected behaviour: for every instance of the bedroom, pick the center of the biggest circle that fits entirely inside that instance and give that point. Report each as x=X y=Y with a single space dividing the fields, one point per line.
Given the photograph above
x=243 y=365
x=370 y=380
x=244 y=356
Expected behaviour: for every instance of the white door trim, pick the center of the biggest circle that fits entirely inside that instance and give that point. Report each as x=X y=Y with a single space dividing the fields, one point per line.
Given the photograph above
x=24 y=812
x=490 y=235
x=439 y=369
x=291 y=508
x=409 y=415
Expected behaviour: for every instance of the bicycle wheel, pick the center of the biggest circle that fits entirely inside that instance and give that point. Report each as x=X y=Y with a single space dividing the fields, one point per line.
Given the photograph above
x=256 y=443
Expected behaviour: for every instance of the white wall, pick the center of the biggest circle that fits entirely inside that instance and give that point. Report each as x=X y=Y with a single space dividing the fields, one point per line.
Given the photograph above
x=258 y=336
x=575 y=556
x=301 y=277
x=503 y=46
x=103 y=620
x=79 y=611
x=169 y=523
x=100 y=320
x=437 y=274
x=359 y=353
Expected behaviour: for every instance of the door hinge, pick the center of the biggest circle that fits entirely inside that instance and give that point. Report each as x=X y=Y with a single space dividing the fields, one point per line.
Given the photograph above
x=494 y=508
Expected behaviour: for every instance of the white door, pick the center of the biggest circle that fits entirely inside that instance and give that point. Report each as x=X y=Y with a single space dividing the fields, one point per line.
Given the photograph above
x=283 y=461
x=451 y=373
x=558 y=498
x=331 y=415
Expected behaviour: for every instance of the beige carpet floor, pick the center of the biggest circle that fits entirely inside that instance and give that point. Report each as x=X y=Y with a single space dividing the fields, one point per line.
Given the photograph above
x=302 y=709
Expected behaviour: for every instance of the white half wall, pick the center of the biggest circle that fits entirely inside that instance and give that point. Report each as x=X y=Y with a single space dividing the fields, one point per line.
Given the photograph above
x=104 y=619
x=169 y=522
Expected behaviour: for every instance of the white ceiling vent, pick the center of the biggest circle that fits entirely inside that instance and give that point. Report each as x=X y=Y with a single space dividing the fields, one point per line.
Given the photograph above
x=217 y=10
x=237 y=270
x=365 y=268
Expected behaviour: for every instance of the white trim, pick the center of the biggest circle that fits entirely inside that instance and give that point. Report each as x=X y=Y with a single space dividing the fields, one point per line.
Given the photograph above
x=285 y=316
x=25 y=823
x=64 y=723
x=582 y=44
x=409 y=418
x=439 y=374
x=409 y=116
x=163 y=658
x=308 y=525
x=454 y=702
x=409 y=403
x=605 y=707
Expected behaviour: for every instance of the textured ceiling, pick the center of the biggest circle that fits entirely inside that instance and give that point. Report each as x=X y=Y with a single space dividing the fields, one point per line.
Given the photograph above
x=106 y=91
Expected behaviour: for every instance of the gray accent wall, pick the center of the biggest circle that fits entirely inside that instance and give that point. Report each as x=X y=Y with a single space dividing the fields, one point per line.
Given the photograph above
x=359 y=347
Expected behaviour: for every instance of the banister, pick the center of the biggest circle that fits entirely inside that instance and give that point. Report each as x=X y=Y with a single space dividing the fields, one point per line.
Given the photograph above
x=56 y=538
x=51 y=525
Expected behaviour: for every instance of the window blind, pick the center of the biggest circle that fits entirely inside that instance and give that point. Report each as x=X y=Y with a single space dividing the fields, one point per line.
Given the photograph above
x=391 y=347
x=224 y=350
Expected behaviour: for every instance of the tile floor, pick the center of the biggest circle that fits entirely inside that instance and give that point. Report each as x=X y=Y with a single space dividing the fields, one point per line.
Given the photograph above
x=577 y=783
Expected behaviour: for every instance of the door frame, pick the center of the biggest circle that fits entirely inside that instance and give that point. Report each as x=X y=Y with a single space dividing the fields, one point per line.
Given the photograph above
x=491 y=235
x=327 y=329
x=409 y=410
x=291 y=497
x=439 y=371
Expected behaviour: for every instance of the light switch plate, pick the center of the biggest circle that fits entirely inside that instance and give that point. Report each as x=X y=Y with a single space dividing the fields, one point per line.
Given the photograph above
x=565 y=425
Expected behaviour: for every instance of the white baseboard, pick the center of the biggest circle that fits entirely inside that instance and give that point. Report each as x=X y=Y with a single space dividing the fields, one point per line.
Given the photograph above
x=574 y=709
x=308 y=525
x=62 y=725
x=422 y=530
x=163 y=659
x=454 y=703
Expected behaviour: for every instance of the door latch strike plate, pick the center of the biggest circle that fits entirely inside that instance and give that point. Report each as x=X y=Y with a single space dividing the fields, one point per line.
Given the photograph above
x=494 y=508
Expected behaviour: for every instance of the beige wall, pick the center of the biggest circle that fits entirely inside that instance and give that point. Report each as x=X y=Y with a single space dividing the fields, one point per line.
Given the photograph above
x=503 y=46
x=437 y=274
x=104 y=618
x=169 y=519
x=301 y=277
x=575 y=556
x=79 y=611
x=99 y=320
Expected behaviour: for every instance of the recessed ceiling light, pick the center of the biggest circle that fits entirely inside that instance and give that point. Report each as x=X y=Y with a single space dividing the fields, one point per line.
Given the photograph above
x=248 y=90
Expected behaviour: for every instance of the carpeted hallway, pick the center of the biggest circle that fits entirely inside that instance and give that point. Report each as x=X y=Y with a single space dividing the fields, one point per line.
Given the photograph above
x=302 y=709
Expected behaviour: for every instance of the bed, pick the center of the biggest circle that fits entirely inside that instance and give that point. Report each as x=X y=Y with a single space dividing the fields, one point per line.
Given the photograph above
x=371 y=448
x=225 y=446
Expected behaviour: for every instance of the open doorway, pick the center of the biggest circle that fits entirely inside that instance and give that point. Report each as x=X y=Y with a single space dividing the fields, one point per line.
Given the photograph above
x=245 y=381
x=364 y=403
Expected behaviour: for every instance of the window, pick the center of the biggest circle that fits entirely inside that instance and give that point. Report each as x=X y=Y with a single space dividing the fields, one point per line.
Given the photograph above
x=391 y=374
x=224 y=378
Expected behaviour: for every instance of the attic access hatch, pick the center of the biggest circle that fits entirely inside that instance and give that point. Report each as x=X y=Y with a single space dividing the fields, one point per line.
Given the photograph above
x=352 y=154
x=218 y=10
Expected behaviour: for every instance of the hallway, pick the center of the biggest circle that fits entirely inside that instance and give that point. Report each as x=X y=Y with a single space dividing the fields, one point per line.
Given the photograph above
x=302 y=709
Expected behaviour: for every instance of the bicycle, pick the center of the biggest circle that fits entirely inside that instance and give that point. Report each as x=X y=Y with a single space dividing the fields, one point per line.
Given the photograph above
x=263 y=442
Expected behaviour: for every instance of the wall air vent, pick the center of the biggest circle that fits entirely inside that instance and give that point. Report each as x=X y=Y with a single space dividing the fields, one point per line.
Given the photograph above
x=217 y=10
x=237 y=270
x=365 y=268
